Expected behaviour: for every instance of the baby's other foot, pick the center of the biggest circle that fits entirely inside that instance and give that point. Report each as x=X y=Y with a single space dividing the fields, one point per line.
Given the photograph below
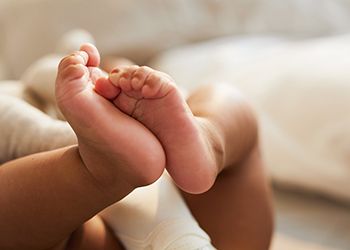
x=115 y=148
x=152 y=98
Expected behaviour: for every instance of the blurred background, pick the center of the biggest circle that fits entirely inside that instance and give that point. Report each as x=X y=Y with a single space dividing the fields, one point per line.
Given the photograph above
x=291 y=57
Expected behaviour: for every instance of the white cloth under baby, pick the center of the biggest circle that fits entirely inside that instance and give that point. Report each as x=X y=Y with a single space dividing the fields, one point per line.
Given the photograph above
x=26 y=130
x=156 y=218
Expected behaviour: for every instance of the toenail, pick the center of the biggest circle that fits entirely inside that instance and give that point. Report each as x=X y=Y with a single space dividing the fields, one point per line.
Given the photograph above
x=122 y=80
x=113 y=77
x=135 y=80
x=83 y=55
x=115 y=71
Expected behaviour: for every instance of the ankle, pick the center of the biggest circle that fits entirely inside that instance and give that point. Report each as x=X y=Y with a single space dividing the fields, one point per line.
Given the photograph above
x=215 y=142
x=113 y=176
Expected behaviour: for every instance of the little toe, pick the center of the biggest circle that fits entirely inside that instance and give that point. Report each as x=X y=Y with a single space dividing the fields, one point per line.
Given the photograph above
x=71 y=71
x=157 y=85
x=140 y=76
x=78 y=57
x=121 y=77
x=136 y=84
x=125 y=84
x=95 y=73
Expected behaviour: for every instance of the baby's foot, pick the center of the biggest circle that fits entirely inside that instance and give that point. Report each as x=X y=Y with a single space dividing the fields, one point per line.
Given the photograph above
x=153 y=99
x=114 y=147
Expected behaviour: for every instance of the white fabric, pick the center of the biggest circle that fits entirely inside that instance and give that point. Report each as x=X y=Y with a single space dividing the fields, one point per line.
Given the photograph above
x=155 y=217
x=30 y=120
x=26 y=130
x=302 y=95
x=190 y=242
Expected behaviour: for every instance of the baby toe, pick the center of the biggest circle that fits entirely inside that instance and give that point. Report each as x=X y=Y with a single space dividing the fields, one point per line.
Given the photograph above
x=140 y=76
x=157 y=85
x=121 y=77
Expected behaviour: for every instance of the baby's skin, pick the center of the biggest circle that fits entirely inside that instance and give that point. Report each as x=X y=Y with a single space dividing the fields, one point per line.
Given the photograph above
x=133 y=124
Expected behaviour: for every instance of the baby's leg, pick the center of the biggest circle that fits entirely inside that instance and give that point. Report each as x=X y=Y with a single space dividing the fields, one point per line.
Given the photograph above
x=92 y=235
x=236 y=212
